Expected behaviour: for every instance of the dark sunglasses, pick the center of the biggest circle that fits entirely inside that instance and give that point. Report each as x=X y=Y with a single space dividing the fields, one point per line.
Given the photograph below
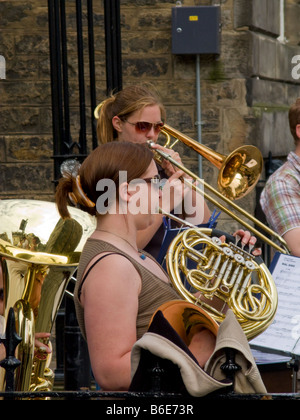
x=145 y=127
x=154 y=180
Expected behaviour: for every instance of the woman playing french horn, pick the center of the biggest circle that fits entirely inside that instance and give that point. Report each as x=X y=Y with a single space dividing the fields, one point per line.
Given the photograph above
x=119 y=286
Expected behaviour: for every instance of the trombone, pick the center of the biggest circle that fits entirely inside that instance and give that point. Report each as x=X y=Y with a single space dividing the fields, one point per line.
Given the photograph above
x=238 y=174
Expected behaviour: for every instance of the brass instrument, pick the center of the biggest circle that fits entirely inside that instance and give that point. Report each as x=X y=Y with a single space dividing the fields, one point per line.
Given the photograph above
x=239 y=173
x=38 y=255
x=223 y=274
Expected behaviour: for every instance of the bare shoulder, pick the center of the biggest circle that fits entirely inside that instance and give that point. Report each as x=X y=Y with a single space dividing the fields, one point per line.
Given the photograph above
x=114 y=271
x=111 y=261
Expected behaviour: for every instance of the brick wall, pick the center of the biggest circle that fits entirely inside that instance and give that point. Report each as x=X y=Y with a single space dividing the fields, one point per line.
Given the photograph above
x=245 y=93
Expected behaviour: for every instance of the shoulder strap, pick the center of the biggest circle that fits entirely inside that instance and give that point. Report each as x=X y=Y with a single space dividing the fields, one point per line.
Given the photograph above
x=92 y=266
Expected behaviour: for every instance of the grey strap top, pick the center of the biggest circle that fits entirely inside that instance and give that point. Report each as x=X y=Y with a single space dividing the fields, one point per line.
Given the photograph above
x=154 y=291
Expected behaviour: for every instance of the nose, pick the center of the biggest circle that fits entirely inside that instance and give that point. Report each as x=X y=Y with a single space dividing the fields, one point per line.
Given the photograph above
x=151 y=135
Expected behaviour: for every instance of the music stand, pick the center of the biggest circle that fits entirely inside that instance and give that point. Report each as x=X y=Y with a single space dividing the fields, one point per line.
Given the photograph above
x=282 y=337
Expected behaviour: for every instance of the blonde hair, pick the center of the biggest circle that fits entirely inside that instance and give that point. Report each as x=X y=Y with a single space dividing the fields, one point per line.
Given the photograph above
x=122 y=104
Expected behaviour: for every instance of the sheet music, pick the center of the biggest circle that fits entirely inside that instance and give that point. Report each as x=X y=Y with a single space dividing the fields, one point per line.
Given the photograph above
x=263 y=358
x=283 y=335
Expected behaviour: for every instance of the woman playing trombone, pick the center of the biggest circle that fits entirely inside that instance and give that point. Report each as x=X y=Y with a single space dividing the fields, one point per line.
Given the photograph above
x=136 y=114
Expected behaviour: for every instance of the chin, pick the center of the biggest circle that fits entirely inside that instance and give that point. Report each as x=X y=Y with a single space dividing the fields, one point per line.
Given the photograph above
x=146 y=222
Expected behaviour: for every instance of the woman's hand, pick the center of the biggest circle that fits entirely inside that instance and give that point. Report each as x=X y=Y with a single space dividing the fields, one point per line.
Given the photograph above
x=167 y=166
x=173 y=193
x=40 y=345
x=246 y=239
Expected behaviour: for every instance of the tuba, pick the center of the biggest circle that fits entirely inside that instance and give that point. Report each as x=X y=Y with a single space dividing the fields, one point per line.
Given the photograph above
x=39 y=253
x=217 y=275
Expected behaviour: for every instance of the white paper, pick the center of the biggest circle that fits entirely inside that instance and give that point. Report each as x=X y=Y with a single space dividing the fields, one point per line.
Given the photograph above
x=283 y=335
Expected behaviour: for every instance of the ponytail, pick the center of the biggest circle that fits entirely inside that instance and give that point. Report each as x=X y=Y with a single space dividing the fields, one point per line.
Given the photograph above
x=69 y=191
x=105 y=130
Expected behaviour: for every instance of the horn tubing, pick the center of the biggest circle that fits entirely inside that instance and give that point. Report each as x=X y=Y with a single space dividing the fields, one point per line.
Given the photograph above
x=284 y=249
x=253 y=304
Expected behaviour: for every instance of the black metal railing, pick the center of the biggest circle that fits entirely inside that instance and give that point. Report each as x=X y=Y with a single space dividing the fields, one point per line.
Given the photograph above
x=68 y=144
x=156 y=394
x=64 y=146
x=11 y=340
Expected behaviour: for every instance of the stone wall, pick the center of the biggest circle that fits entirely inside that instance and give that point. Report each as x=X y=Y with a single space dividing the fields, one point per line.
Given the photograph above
x=25 y=102
x=245 y=92
x=271 y=87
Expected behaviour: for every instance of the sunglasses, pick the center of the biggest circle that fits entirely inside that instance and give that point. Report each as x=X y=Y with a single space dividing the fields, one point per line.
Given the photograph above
x=154 y=180
x=145 y=127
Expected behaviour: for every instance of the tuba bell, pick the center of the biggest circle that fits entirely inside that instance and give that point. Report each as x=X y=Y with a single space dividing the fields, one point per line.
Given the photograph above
x=39 y=253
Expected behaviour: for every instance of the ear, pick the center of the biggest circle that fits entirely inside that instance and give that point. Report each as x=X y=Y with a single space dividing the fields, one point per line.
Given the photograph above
x=117 y=124
x=298 y=131
x=124 y=194
x=127 y=191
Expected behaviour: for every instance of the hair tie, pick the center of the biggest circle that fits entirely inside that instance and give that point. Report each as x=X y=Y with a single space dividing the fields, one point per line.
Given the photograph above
x=97 y=110
x=78 y=196
x=69 y=169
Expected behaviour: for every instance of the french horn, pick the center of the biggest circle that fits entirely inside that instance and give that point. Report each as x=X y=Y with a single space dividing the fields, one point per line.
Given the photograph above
x=218 y=275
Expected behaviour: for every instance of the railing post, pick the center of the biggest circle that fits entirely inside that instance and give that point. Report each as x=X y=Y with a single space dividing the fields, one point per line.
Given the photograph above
x=11 y=340
x=113 y=45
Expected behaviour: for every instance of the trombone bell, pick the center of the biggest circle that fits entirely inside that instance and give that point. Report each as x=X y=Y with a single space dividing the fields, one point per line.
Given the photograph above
x=238 y=173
